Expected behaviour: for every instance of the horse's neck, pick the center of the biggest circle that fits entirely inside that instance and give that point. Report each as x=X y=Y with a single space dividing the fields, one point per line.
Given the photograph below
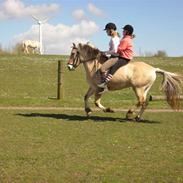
x=90 y=67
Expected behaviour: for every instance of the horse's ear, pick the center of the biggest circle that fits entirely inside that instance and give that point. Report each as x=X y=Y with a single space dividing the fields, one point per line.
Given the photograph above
x=74 y=45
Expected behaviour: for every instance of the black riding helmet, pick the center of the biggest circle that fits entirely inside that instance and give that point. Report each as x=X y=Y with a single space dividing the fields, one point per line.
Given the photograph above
x=128 y=28
x=110 y=26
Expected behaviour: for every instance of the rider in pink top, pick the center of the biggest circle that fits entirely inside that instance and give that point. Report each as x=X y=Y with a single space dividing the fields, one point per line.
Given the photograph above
x=125 y=47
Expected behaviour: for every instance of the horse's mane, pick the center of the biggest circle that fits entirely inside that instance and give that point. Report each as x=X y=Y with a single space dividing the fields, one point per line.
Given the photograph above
x=89 y=51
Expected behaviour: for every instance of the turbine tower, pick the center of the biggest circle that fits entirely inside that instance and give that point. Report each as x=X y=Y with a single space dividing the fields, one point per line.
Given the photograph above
x=40 y=23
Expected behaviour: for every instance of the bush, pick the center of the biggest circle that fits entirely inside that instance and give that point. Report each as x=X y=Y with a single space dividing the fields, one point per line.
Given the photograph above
x=18 y=49
x=160 y=53
x=2 y=51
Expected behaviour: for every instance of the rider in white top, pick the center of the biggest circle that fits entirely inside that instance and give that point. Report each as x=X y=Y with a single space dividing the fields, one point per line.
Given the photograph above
x=110 y=29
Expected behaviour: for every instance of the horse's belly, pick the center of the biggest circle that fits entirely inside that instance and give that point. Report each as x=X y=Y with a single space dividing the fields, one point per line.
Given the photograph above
x=119 y=82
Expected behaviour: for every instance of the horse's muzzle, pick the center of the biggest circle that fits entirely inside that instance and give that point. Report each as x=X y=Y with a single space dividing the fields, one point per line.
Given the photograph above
x=70 y=67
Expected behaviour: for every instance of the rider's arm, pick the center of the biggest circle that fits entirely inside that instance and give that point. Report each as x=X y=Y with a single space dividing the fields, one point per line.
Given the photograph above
x=122 y=46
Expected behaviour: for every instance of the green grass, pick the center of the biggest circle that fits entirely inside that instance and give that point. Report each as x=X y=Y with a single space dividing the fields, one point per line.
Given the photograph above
x=32 y=81
x=67 y=147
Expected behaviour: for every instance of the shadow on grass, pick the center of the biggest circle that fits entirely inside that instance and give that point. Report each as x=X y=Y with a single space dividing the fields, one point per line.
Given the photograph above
x=80 y=118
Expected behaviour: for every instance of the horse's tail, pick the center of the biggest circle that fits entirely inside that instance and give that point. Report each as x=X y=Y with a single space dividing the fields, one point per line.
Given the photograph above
x=171 y=86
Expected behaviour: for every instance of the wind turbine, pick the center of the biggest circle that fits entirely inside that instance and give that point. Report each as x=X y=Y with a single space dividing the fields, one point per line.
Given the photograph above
x=40 y=22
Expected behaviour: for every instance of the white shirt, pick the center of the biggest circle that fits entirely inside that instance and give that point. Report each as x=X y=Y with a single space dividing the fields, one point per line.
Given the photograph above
x=113 y=44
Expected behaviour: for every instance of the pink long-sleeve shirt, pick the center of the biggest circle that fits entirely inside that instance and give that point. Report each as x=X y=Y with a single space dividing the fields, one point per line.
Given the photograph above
x=125 y=47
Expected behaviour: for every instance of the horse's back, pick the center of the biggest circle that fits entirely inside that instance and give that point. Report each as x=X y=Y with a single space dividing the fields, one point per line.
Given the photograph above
x=31 y=43
x=134 y=74
x=141 y=65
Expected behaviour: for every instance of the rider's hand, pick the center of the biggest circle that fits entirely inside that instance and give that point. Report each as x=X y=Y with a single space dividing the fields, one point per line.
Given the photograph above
x=115 y=55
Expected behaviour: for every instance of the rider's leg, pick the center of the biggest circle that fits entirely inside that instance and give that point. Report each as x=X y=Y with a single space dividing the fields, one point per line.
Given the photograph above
x=105 y=67
x=119 y=63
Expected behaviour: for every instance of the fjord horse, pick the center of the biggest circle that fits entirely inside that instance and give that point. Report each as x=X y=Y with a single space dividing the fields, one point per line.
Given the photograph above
x=137 y=75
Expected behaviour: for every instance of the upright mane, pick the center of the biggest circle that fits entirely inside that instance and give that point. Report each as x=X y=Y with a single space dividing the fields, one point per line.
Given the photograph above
x=89 y=51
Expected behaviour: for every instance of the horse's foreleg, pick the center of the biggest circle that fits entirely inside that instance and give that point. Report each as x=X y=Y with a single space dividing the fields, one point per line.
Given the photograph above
x=27 y=50
x=87 y=96
x=23 y=48
x=98 y=104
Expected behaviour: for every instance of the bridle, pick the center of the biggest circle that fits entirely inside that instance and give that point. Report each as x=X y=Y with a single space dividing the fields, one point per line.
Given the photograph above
x=77 y=59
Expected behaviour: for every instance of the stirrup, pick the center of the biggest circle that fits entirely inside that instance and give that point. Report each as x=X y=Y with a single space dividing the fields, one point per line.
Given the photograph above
x=102 y=85
x=102 y=90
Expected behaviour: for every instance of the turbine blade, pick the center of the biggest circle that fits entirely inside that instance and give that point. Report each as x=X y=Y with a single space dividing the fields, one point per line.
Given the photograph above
x=35 y=18
x=46 y=19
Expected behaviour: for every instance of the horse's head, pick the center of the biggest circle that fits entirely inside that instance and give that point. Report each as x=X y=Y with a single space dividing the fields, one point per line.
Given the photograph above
x=82 y=53
x=74 y=59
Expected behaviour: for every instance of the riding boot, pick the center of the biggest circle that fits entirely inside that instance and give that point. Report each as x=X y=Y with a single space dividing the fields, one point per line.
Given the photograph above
x=104 y=83
x=102 y=77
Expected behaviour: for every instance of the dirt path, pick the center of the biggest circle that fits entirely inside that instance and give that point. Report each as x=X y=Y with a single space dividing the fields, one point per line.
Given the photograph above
x=77 y=109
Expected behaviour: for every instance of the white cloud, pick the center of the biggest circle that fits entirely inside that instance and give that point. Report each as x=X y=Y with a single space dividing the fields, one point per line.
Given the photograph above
x=78 y=14
x=94 y=10
x=13 y=9
x=58 y=39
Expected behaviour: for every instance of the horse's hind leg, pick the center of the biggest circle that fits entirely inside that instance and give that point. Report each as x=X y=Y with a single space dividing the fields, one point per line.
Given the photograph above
x=98 y=104
x=131 y=112
x=143 y=107
x=142 y=98
x=87 y=96
x=26 y=50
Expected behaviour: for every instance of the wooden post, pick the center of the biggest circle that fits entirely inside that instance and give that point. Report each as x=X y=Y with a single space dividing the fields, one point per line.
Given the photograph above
x=59 y=80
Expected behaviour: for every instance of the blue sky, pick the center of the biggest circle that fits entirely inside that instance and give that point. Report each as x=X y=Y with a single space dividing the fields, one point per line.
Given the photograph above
x=158 y=23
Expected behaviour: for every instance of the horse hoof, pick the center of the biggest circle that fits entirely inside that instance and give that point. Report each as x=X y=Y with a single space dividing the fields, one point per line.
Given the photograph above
x=88 y=111
x=130 y=115
x=137 y=118
x=129 y=118
x=108 y=110
x=88 y=114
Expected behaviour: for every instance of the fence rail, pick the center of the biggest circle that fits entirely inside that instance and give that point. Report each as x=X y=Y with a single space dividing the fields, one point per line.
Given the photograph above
x=160 y=97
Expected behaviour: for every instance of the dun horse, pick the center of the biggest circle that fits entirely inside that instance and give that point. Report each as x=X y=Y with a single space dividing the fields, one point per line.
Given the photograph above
x=137 y=75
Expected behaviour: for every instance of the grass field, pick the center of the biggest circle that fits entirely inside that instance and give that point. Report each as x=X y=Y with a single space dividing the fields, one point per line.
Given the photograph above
x=51 y=146
x=67 y=147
